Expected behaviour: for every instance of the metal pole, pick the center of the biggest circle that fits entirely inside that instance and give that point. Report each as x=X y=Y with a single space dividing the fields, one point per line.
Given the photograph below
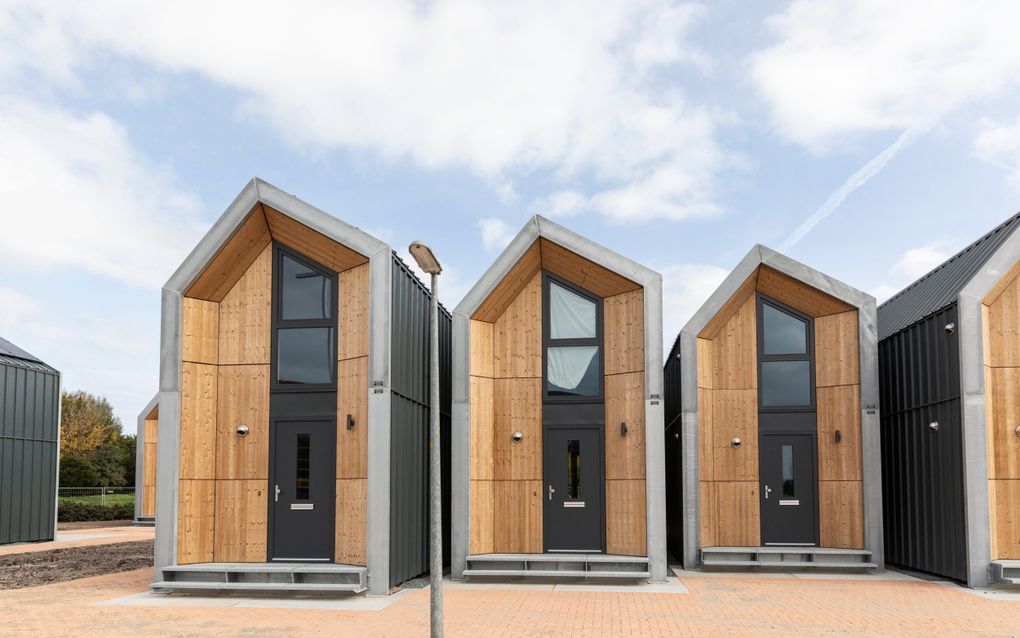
x=435 y=474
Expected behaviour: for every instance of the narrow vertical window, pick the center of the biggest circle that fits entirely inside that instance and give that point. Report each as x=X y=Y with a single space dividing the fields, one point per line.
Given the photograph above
x=302 y=487
x=573 y=469
x=305 y=322
x=789 y=488
x=573 y=344
x=785 y=354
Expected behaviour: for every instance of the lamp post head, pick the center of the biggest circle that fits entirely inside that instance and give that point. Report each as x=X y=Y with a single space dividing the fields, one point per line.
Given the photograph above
x=426 y=260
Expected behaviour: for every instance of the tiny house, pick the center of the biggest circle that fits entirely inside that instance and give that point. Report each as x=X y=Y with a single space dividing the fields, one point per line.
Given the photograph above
x=293 y=410
x=772 y=424
x=949 y=358
x=557 y=417
x=29 y=446
x=146 y=440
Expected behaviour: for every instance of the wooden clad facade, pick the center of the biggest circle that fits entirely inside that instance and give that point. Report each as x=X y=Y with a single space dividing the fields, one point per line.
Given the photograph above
x=223 y=495
x=150 y=437
x=505 y=370
x=1001 y=320
x=728 y=409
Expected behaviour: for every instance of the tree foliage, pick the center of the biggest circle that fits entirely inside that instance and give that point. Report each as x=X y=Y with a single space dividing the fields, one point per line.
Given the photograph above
x=93 y=450
x=87 y=423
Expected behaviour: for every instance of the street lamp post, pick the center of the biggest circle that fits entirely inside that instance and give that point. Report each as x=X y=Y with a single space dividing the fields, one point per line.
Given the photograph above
x=428 y=263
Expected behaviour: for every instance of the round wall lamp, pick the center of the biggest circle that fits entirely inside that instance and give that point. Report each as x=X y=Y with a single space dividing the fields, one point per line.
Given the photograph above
x=517 y=436
x=242 y=430
x=736 y=442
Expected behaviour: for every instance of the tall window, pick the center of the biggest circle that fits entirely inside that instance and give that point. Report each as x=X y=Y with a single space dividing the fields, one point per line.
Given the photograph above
x=785 y=347
x=304 y=338
x=573 y=342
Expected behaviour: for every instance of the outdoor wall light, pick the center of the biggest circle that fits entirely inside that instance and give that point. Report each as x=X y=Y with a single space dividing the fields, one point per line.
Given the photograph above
x=950 y=328
x=1017 y=430
x=934 y=426
x=736 y=442
x=242 y=430
x=517 y=436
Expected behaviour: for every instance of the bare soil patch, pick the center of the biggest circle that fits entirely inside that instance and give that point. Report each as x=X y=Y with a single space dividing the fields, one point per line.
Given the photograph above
x=32 y=569
x=90 y=524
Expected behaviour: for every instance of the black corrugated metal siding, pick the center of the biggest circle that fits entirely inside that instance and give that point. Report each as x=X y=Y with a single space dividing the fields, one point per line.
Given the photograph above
x=674 y=455
x=29 y=434
x=922 y=470
x=940 y=288
x=409 y=424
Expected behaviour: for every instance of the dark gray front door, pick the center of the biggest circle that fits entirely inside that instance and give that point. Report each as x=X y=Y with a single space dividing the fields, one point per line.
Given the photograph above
x=788 y=489
x=303 y=490
x=574 y=485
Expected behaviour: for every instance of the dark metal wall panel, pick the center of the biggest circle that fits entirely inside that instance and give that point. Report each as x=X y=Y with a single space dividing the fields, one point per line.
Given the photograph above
x=922 y=468
x=409 y=424
x=674 y=454
x=29 y=404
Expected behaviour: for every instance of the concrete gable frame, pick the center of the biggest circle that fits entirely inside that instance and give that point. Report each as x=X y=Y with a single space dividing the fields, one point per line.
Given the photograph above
x=539 y=227
x=870 y=439
x=140 y=454
x=972 y=390
x=380 y=263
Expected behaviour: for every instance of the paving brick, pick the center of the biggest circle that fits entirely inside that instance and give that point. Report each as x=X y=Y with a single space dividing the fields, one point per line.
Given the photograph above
x=717 y=606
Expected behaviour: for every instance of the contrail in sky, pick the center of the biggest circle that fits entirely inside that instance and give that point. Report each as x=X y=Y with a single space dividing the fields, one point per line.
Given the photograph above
x=854 y=182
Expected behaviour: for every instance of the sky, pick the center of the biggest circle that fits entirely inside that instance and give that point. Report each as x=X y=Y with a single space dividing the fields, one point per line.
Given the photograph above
x=870 y=140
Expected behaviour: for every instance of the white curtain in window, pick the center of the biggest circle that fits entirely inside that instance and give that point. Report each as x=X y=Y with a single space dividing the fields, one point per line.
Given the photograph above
x=571 y=316
x=568 y=365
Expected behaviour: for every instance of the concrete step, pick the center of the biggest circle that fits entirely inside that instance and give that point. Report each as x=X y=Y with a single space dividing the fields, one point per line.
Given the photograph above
x=306 y=588
x=1006 y=572
x=786 y=558
x=145 y=521
x=281 y=577
x=557 y=566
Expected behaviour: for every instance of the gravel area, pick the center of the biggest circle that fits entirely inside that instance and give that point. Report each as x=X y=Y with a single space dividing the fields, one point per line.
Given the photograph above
x=41 y=568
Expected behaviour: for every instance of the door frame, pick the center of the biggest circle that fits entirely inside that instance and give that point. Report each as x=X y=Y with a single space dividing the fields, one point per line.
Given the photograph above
x=600 y=431
x=271 y=493
x=761 y=483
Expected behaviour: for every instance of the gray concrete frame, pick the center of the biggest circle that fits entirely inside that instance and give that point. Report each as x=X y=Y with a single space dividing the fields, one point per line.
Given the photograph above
x=972 y=390
x=871 y=453
x=380 y=264
x=140 y=455
x=655 y=468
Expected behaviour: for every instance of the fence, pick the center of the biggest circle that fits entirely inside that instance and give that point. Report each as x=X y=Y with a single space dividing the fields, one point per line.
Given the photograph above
x=98 y=495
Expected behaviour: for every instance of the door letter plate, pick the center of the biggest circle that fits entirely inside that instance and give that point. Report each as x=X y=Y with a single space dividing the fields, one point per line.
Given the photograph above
x=573 y=503
x=789 y=501
x=302 y=506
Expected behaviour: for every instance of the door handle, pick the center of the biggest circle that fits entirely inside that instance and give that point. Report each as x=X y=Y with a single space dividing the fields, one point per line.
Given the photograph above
x=767 y=492
x=551 y=492
x=277 y=496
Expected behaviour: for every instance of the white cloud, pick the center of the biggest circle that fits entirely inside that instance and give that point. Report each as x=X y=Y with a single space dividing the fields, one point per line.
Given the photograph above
x=76 y=193
x=15 y=308
x=911 y=266
x=499 y=89
x=496 y=233
x=685 y=288
x=842 y=68
x=999 y=145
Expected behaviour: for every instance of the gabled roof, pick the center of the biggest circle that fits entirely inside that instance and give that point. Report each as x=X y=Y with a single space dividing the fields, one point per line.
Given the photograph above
x=839 y=295
x=940 y=287
x=10 y=353
x=259 y=214
x=544 y=244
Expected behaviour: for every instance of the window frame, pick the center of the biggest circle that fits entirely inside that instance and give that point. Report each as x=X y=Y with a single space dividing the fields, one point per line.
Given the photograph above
x=762 y=358
x=279 y=323
x=548 y=342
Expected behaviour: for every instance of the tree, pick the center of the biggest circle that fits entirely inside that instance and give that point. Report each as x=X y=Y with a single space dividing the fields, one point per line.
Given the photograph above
x=77 y=472
x=87 y=424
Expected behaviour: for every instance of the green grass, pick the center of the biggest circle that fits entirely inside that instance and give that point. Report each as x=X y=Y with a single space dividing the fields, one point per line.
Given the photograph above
x=111 y=499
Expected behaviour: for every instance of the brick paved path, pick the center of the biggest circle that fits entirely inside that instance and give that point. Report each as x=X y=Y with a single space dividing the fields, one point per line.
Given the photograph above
x=730 y=605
